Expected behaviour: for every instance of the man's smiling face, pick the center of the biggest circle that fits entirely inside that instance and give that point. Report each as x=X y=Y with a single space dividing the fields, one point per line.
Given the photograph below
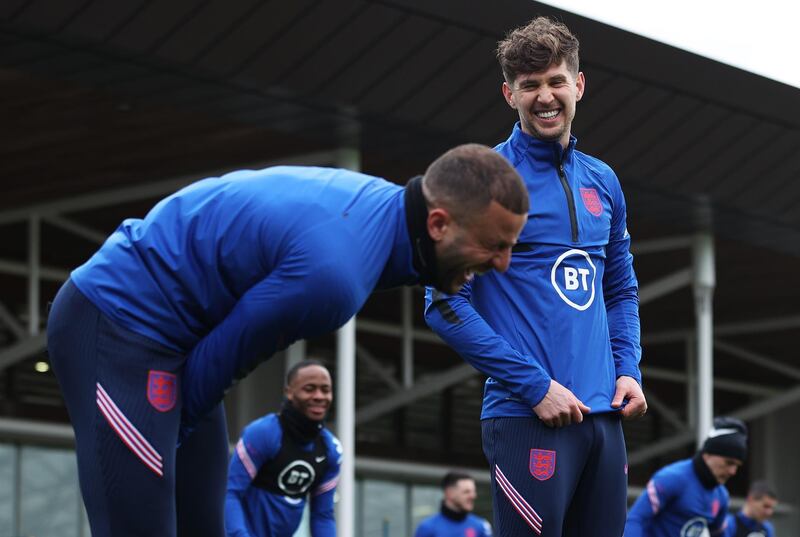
x=546 y=101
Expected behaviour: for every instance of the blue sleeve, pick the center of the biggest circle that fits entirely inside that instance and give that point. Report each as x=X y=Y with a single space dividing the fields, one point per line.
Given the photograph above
x=303 y=296
x=770 y=528
x=486 y=528
x=718 y=525
x=730 y=526
x=424 y=529
x=260 y=442
x=322 y=521
x=455 y=320
x=621 y=293
x=658 y=493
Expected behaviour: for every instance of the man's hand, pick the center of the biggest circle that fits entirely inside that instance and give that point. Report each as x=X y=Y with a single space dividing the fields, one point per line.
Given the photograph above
x=560 y=407
x=628 y=389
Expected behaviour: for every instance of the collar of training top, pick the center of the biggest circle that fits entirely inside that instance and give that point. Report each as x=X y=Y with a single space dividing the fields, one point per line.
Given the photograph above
x=297 y=425
x=456 y=516
x=703 y=472
x=424 y=252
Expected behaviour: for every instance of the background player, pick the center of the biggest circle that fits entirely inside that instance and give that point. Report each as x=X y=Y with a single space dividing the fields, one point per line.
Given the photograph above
x=283 y=459
x=688 y=498
x=753 y=519
x=455 y=518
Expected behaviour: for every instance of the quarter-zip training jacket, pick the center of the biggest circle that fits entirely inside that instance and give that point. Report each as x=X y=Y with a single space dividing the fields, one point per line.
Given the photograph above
x=231 y=269
x=251 y=511
x=567 y=308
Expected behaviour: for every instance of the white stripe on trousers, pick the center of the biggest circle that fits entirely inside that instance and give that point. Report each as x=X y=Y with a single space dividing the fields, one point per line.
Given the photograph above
x=528 y=514
x=128 y=433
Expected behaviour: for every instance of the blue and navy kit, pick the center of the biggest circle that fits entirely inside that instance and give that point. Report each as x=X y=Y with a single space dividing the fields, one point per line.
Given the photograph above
x=567 y=309
x=440 y=525
x=741 y=525
x=146 y=337
x=570 y=285
x=229 y=270
x=256 y=511
x=675 y=503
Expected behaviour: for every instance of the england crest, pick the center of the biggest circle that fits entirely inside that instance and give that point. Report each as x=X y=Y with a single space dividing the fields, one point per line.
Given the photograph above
x=162 y=390
x=542 y=464
x=591 y=201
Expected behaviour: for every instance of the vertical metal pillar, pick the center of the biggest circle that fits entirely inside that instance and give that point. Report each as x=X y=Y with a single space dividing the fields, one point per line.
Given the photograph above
x=704 y=280
x=346 y=398
x=691 y=382
x=34 y=270
x=408 y=338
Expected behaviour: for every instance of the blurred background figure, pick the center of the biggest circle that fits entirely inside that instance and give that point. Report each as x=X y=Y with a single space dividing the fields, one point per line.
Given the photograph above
x=753 y=519
x=284 y=459
x=688 y=497
x=455 y=518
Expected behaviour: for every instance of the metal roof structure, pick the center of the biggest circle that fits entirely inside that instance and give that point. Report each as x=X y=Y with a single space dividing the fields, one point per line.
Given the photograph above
x=107 y=106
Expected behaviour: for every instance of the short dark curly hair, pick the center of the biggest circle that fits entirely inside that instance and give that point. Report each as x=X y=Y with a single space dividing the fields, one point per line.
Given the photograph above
x=537 y=45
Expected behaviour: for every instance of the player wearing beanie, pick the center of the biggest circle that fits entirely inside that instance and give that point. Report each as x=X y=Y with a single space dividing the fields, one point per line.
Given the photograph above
x=688 y=498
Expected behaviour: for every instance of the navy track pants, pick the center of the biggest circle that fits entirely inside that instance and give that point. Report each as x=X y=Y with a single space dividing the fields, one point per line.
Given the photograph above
x=122 y=392
x=557 y=482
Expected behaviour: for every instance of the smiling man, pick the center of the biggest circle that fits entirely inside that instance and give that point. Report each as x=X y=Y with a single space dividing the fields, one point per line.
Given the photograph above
x=558 y=335
x=147 y=335
x=455 y=518
x=284 y=459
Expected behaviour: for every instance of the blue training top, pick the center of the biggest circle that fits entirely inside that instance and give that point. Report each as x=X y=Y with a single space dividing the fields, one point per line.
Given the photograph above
x=676 y=504
x=741 y=524
x=229 y=270
x=254 y=512
x=439 y=525
x=568 y=307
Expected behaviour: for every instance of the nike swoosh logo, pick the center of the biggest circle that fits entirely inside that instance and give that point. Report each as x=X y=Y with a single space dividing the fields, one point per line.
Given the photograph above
x=319 y=459
x=713 y=433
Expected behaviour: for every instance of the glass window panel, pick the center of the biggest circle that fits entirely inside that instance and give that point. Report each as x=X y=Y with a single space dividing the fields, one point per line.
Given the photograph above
x=425 y=501
x=483 y=503
x=385 y=509
x=7 y=480
x=50 y=504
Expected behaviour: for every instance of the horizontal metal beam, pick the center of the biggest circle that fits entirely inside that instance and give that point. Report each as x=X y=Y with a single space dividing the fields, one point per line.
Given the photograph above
x=736 y=386
x=374 y=365
x=395 y=330
x=92 y=235
x=375 y=467
x=651 y=338
x=665 y=244
x=665 y=411
x=16 y=268
x=750 y=412
x=150 y=190
x=429 y=386
x=664 y=286
x=758 y=359
x=773 y=324
x=22 y=349
x=11 y=322
x=36 y=431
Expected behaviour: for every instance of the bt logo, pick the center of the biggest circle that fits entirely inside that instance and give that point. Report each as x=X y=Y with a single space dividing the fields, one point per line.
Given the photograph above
x=296 y=477
x=573 y=276
x=695 y=527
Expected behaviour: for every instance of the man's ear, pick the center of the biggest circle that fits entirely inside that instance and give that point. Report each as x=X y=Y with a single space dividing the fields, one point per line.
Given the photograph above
x=509 y=95
x=438 y=222
x=287 y=393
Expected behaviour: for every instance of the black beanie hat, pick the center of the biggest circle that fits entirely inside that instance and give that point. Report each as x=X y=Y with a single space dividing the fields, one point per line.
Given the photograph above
x=728 y=438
